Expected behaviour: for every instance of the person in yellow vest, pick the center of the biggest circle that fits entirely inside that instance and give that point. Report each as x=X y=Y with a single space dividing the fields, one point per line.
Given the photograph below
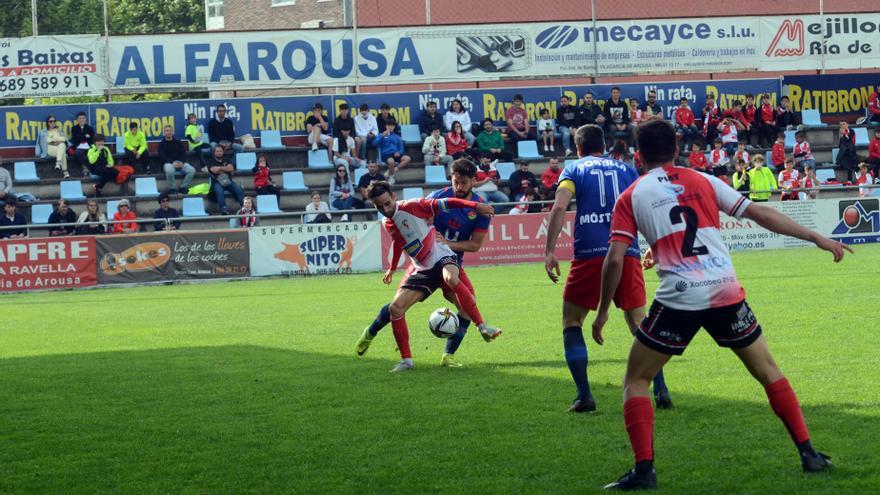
x=136 y=151
x=761 y=180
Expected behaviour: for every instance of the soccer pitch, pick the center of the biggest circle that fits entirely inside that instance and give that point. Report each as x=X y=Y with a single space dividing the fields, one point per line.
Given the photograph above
x=253 y=387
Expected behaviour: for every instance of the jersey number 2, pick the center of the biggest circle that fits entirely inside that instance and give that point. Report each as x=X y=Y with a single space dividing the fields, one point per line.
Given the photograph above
x=690 y=230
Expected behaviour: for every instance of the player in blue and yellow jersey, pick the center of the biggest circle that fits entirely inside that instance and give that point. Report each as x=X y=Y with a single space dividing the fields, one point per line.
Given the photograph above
x=596 y=182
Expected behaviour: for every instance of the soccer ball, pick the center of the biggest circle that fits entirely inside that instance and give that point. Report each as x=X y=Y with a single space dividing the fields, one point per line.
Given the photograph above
x=443 y=323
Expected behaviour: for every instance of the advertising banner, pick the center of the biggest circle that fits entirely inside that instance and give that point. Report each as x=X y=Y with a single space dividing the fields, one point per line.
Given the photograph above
x=810 y=42
x=315 y=249
x=838 y=97
x=172 y=256
x=51 y=66
x=40 y=264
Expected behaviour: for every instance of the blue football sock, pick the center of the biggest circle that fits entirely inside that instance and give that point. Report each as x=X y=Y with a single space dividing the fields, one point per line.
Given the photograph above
x=660 y=383
x=455 y=341
x=576 y=357
x=382 y=319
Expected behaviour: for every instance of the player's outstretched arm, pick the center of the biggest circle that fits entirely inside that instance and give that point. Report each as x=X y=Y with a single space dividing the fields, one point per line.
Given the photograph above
x=554 y=227
x=612 y=269
x=471 y=245
x=774 y=221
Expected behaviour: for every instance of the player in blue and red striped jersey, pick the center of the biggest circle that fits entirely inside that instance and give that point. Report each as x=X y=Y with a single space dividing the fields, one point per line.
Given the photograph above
x=596 y=182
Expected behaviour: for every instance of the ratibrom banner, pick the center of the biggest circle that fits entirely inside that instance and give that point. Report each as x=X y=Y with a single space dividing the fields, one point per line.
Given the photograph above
x=51 y=66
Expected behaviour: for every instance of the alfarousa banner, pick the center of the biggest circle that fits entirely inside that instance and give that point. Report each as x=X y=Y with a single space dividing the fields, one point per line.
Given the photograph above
x=52 y=66
x=40 y=264
x=315 y=249
x=172 y=256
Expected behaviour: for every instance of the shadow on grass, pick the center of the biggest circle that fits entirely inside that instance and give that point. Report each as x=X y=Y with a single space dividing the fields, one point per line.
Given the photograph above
x=247 y=419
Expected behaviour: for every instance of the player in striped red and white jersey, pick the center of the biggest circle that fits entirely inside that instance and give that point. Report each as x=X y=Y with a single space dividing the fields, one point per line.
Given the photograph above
x=676 y=210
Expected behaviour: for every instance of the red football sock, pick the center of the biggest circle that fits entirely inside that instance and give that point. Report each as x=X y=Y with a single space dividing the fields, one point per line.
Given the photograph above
x=638 y=415
x=401 y=335
x=468 y=304
x=785 y=404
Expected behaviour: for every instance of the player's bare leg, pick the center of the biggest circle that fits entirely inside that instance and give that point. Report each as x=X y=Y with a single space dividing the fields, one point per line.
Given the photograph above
x=403 y=300
x=573 y=317
x=760 y=363
x=662 y=399
x=466 y=301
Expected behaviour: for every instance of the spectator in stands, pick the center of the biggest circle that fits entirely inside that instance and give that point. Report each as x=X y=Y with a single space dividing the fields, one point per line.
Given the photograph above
x=651 y=107
x=487 y=180
x=550 y=179
x=729 y=129
x=616 y=118
x=761 y=180
x=685 y=122
x=741 y=177
x=390 y=147
x=737 y=116
x=136 y=151
x=12 y=218
x=247 y=215
x=766 y=122
x=547 y=131
x=221 y=131
x=809 y=182
x=318 y=128
x=492 y=142
x=750 y=112
x=719 y=159
x=636 y=115
x=166 y=215
x=786 y=118
x=456 y=142
x=92 y=221
x=846 y=155
x=343 y=147
x=789 y=180
x=697 y=159
x=873 y=153
x=100 y=161
x=803 y=155
x=320 y=210
x=874 y=107
x=263 y=183
x=193 y=134
x=62 y=214
x=430 y=119
x=342 y=192
x=777 y=154
x=385 y=116
x=457 y=113
x=172 y=154
x=864 y=178
x=125 y=217
x=82 y=137
x=711 y=119
x=368 y=178
x=434 y=148
x=568 y=118
x=741 y=153
x=590 y=112
x=56 y=145
x=6 y=193
x=522 y=181
x=366 y=129
x=220 y=171
x=517 y=119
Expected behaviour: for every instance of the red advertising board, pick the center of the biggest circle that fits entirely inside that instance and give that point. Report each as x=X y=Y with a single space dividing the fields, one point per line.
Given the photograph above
x=511 y=239
x=51 y=263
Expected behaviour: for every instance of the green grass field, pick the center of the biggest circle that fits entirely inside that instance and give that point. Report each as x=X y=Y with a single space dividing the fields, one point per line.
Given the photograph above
x=253 y=387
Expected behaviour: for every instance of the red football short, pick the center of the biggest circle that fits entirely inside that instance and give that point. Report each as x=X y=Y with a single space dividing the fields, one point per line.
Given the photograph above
x=583 y=286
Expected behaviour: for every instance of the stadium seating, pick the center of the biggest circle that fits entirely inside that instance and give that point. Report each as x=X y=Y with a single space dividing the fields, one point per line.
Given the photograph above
x=72 y=190
x=768 y=158
x=435 y=174
x=267 y=203
x=319 y=159
x=293 y=181
x=26 y=172
x=40 y=213
x=271 y=140
x=410 y=134
x=112 y=208
x=413 y=193
x=146 y=187
x=244 y=162
x=789 y=139
x=194 y=207
x=358 y=173
x=825 y=174
x=120 y=145
x=862 y=138
x=505 y=169
x=812 y=118
x=528 y=150
x=834 y=153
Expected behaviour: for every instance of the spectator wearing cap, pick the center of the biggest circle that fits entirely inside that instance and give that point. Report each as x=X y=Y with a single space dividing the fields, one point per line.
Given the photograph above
x=136 y=148
x=521 y=181
x=12 y=218
x=366 y=128
x=100 y=161
x=491 y=142
x=457 y=113
x=430 y=119
x=221 y=131
x=125 y=217
x=318 y=128
x=62 y=214
x=384 y=116
x=172 y=154
x=166 y=215
x=517 y=119
x=390 y=147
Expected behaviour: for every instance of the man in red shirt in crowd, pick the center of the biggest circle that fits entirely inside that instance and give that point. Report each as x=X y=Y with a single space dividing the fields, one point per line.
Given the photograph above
x=698 y=159
x=684 y=121
x=778 y=153
x=749 y=112
x=874 y=153
x=550 y=179
x=766 y=117
x=711 y=119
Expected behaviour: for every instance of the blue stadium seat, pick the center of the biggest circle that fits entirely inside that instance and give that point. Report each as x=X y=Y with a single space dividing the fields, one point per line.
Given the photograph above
x=271 y=140
x=413 y=193
x=862 y=139
x=505 y=169
x=26 y=172
x=72 y=190
x=146 y=187
x=358 y=173
x=112 y=207
x=834 y=153
x=768 y=159
x=410 y=134
x=825 y=174
x=244 y=162
x=120 y=145
x=40 y=213
x=812 y=118
x=267 y=203
x=789 y=139
x=293 y=181
x=528 y=150
x=194 y=207
x=435 y=174
x=319 y=159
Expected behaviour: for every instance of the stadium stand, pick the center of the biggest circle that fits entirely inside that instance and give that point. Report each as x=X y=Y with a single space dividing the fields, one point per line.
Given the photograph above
x=146 y=187
x=293 y=181
x=40 y=213
x=245 y=161
x=72 y=190
x=319 y=159
x=194 y=207
x=413 y=193
x=267 y=203
x=505 y=169
x=528 y=150
x=435 y=174
x=812 y=118
x=410 y=134
x=271 y=140
x=26 y=172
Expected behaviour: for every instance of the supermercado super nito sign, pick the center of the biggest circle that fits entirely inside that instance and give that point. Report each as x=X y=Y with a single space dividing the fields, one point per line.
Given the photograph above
x=34 y=264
